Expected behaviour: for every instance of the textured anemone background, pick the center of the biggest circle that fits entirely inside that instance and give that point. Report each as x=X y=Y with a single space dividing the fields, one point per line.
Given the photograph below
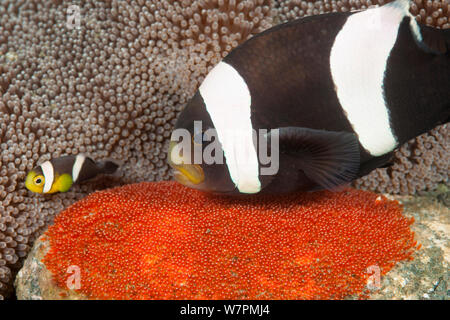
x=113 y=88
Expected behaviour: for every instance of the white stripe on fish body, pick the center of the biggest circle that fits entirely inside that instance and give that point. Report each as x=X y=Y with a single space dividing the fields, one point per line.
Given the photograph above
x=77 y=166
x=49 y=175
x=227 y=100
x=404 y=5
x=358 y=62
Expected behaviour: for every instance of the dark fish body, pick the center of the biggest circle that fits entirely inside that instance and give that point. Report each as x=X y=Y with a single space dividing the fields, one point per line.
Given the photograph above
x=344 y=90
x=287 y=70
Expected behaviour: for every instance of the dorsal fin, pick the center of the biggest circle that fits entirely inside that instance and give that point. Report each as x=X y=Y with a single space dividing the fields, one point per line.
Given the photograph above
x=434 y=40
x=429 y=39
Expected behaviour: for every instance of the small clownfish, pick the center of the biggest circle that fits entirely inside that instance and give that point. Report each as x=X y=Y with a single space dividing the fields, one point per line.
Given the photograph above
x=58 y=175
x=329 y=97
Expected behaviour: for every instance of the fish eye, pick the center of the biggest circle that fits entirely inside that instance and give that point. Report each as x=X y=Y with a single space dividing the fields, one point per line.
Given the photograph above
x=38 y=180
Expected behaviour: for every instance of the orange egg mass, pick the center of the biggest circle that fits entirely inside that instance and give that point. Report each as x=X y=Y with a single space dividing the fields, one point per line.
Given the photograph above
x=160 y=240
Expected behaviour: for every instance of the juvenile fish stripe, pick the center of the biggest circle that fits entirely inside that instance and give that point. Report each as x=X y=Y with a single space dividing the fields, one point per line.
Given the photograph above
x=359 y=81
x=77 y=166
x=49 y=176
x=228 y=105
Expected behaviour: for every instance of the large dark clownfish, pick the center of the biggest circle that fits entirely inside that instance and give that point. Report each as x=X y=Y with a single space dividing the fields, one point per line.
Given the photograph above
x=338 y=93
x=59 y=174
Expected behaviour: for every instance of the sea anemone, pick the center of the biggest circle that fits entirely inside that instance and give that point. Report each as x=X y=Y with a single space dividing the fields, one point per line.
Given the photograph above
x=164 y=241
x=111 y=88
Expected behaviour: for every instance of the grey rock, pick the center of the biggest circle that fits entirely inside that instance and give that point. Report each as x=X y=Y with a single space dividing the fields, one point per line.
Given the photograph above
x=427 y=277
x=34 y=280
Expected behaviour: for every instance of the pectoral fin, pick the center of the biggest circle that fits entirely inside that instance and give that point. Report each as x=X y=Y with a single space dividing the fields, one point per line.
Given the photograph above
x=328 y=158
x=62 y=183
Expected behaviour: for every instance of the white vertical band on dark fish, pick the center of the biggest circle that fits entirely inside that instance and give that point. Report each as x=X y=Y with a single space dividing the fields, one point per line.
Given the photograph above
x=405 y=6
x=358 y=61
x=49 y=176
x=79 y=160
x=227 y=100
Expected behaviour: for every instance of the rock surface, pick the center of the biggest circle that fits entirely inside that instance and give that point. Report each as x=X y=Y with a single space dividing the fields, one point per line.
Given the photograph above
x=426 y=277
x=34 y=280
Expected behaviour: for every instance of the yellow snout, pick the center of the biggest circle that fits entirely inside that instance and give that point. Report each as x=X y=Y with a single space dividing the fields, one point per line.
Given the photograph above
x=34 y=182
x=183 y=171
